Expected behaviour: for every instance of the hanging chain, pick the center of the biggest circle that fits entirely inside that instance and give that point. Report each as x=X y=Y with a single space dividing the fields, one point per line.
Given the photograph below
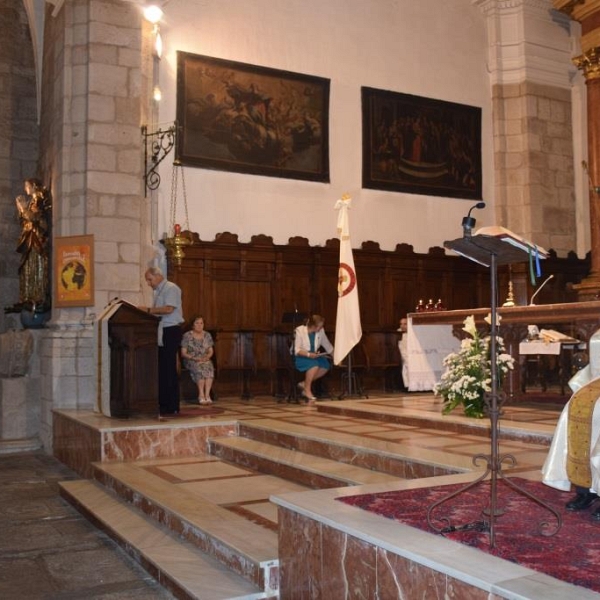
x=185 y=204
x=173 y=208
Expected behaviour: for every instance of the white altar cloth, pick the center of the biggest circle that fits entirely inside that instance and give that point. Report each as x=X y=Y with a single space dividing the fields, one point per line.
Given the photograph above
x=427 y=346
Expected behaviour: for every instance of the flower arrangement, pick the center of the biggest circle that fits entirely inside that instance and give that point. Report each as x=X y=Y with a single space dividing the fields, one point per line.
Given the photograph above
x=468 y=372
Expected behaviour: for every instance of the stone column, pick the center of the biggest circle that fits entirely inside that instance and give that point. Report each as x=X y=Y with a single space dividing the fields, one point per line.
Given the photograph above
x=587 y=12
x=529 y=62
x=91 y=150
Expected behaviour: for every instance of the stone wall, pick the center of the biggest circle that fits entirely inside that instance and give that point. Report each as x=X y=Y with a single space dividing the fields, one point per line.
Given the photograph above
x=18 y=140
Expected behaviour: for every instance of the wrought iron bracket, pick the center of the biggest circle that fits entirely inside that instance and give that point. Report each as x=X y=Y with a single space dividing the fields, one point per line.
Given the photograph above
x=157 y=145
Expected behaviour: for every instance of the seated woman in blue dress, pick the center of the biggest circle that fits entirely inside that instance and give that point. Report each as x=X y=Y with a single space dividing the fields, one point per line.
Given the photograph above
x=308 y=357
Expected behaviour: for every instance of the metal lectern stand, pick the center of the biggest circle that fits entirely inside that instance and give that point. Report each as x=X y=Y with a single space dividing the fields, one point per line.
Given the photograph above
x=351 y=387
x=491 y=251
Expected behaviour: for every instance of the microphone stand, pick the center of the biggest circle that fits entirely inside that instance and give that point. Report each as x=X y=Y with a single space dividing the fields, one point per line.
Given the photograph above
x=540 y=289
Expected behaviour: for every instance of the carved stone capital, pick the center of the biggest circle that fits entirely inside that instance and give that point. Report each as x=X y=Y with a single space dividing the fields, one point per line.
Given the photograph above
x=510 y=5
x=577 y=9
x=566 y=6
x=589 y=63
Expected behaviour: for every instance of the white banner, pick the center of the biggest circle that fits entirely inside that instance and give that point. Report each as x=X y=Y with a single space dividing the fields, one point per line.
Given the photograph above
x=347 y=325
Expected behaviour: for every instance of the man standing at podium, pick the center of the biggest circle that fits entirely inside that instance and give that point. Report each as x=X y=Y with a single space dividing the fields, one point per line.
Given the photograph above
x=167 y=306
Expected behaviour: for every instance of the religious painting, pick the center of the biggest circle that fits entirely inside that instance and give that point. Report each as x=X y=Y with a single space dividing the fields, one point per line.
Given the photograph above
x=74 y=271
x=244 y=118
x=421 y=146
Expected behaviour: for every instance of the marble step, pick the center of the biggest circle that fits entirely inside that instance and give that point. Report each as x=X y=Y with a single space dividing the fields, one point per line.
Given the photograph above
x=400 y=460
x=508 y=429
x=307 y=469
x=247 y=548
x=178 y=565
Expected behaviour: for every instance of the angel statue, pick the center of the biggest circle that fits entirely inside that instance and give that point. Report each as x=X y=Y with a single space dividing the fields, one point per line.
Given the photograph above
x=35 y=218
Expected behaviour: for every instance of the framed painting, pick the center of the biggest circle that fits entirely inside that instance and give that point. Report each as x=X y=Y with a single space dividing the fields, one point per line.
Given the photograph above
x=421 y=146
x=248 y=119
x=74 y=271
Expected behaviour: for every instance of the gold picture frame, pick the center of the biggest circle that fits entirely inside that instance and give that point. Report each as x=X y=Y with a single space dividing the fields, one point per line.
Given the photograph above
x=251 y=119
x=419 y=145
x=74 y=271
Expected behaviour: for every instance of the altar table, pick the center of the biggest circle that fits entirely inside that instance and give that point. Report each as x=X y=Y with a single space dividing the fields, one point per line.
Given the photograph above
x=577 y=319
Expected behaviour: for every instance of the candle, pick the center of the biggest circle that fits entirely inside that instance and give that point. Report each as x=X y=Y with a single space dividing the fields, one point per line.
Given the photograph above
x=177 y=228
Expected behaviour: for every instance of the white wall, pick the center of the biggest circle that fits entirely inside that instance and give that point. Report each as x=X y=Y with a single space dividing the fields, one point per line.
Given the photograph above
x=429 y=48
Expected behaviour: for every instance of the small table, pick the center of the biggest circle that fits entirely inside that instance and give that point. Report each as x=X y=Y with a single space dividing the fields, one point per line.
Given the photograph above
x=536 y=351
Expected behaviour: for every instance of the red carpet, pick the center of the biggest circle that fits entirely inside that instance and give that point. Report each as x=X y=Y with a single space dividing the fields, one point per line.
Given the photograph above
x=572 y=555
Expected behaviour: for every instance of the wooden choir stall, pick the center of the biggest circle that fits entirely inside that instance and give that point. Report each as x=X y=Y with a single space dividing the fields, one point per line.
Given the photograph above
x=243 y=291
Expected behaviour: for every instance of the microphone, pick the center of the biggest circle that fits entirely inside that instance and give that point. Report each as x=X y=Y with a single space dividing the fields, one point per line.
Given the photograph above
x=468 y=222
x=540 y=289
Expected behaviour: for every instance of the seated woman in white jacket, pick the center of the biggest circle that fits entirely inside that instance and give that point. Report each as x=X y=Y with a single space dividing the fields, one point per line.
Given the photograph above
x=308 y=357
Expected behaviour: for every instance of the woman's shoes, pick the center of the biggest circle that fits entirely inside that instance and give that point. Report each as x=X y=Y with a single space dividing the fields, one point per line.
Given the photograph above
x=309 y=399
x=204 y=401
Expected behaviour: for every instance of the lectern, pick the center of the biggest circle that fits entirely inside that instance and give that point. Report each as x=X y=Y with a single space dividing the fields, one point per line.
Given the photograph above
x=128 y=354
x=492 y=251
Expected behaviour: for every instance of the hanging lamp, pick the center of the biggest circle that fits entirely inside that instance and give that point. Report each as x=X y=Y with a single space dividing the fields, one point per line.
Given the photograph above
x=176 y=242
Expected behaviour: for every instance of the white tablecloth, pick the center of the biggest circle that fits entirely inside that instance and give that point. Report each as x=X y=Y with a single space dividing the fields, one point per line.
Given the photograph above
x=427 y=346
x=539 y=347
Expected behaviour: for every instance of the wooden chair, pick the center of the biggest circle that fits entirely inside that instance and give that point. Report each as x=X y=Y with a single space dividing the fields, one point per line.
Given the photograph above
x=286 y=375
x=384 y=358
x=234 y=353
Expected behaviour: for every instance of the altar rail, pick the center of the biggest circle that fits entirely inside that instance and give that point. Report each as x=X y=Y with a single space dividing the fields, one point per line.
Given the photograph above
x=243 y=291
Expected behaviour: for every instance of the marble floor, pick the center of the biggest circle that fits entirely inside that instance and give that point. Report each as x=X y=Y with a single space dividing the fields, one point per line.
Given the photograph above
x=213 y=494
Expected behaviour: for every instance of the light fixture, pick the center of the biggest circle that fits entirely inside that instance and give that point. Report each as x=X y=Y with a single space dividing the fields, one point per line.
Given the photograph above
x=178 y=240
x=156 y=94
x=158 y=44
x=153 y=13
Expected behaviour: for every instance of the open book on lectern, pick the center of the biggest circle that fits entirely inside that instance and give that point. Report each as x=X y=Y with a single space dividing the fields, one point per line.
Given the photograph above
x=506 y=235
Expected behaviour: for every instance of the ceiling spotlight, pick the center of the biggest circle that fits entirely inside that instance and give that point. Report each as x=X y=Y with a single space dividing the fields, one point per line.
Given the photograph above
x=156 y=94
x=153 y=13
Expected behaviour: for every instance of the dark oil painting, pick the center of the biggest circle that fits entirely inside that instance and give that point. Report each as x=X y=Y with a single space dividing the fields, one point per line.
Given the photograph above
x=244 y=118
x=421 y=146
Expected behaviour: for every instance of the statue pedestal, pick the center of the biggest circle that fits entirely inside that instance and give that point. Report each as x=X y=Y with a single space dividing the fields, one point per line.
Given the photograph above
x=20 y=387
x=19 y=414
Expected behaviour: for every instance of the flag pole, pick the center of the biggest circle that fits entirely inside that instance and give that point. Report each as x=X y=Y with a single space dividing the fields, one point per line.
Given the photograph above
x=348 y=329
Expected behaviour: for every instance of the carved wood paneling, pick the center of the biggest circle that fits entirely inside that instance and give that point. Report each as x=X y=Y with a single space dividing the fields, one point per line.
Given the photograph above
x=244 y=289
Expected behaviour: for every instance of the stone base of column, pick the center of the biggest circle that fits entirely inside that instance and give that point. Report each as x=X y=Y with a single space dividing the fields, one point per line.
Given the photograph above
x=588 y=289
x=19 y=414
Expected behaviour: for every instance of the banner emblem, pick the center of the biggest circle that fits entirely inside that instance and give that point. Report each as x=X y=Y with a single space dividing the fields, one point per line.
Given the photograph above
x=346 y=280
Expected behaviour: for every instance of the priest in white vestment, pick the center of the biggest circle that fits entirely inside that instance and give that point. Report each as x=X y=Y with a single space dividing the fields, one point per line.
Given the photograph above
x=574 y=457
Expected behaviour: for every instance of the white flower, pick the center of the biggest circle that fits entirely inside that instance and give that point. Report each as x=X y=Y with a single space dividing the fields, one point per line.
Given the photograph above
x=488 y=319
x=469 y=326
x=468 y=372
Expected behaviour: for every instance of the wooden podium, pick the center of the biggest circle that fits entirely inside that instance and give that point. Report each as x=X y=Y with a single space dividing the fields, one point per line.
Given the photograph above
x=128 y=351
